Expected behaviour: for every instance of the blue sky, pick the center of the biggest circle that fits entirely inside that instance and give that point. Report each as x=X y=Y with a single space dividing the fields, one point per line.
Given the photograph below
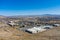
x=29 y=7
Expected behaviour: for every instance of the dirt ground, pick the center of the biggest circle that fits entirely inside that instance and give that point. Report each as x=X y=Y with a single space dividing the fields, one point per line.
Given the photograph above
x=14 y=34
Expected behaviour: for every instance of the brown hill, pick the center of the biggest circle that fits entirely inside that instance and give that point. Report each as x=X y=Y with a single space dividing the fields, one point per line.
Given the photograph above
x=9 y=33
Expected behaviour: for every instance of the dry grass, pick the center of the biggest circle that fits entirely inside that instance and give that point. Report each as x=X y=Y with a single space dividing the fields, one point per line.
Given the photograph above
x=9 y=33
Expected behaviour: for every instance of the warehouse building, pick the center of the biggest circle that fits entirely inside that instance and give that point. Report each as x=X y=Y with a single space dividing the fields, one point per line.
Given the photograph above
x=35 y=30
x=38 y=29
x=56 y=25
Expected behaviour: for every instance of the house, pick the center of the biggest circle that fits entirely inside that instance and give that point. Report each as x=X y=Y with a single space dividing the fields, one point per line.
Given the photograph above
x=11 y=23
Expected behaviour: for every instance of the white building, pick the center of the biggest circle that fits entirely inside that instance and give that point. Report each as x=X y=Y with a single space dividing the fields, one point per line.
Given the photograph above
x=35 y=30
x=47 y=26
x=57 y=24
x=39 y=29
x=12 y=23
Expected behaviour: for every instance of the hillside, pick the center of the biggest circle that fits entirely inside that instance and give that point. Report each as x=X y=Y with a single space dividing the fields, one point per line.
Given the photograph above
x=13 y=34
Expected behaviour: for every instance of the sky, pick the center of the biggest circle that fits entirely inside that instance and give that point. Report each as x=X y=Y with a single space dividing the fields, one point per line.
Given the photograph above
x=29 y=7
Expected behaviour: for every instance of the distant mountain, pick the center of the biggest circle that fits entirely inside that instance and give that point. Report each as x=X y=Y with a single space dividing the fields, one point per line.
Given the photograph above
x=44 y=15
x=50 y=15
